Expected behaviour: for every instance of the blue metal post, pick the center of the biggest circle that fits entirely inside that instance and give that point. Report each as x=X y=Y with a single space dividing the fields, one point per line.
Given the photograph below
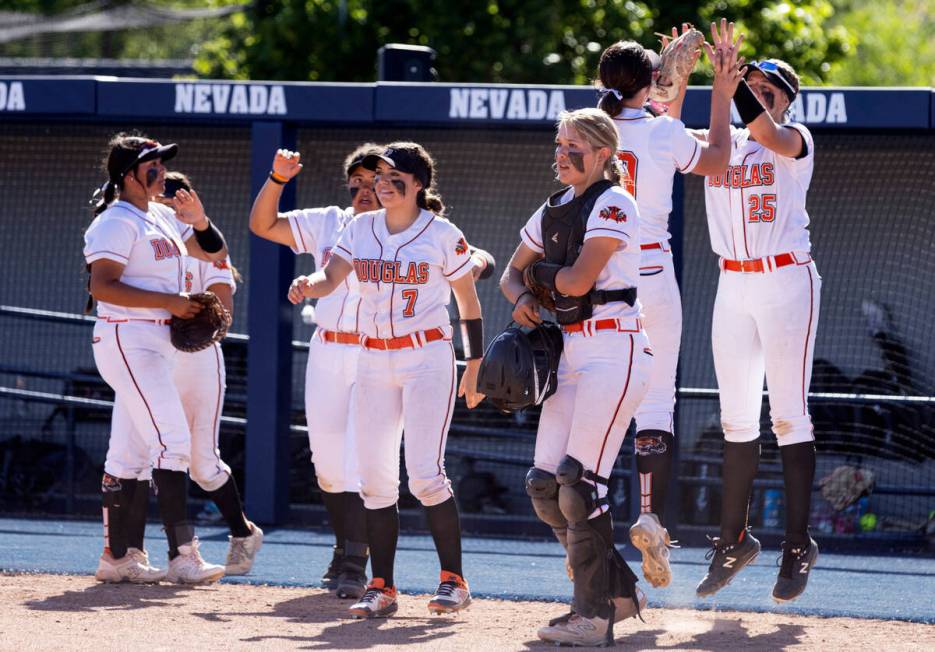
x=677 y=229
x=269 y=353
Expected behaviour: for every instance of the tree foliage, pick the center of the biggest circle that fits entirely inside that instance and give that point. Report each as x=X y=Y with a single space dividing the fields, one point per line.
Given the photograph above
x=501 y=40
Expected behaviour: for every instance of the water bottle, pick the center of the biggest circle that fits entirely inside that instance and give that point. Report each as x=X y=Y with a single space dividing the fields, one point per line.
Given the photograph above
x=772 y=508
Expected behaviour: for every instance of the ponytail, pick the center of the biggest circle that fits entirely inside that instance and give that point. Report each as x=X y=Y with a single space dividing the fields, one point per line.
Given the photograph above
x=430 y=201
x=107 y=194
x=611 y=102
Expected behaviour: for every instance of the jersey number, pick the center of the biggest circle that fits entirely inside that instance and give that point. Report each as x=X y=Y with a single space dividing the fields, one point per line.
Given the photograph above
x=762 y=208
x=628 y=161
x=410 y=296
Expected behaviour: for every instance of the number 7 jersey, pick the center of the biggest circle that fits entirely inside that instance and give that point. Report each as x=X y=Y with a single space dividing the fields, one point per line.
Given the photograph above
x=757 y=208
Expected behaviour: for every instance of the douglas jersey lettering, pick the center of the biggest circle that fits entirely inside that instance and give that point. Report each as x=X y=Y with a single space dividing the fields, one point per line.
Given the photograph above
x=370 y=270
x=744 y=176
x=163 y=249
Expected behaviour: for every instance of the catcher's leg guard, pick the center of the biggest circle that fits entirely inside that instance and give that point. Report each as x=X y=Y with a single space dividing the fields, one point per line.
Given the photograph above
x=542 y=489
x=117 y=497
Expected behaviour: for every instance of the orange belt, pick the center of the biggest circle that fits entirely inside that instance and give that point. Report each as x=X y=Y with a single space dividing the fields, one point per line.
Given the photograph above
x=339 y=337
x=161 y=322
x=411 y=341
x=603 y=325
x=652 y=245
x=767 y=264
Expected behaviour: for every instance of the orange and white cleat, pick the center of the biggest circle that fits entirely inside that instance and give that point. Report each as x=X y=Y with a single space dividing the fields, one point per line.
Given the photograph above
x=378 y=601
x=451 y=596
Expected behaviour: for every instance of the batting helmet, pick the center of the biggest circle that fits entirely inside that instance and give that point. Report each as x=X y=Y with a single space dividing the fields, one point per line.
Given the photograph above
x=520 y=368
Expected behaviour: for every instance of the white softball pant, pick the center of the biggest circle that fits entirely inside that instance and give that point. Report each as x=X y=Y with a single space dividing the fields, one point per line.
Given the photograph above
x=662 y=320
x=330 y=378
x=765 y=323
x=412 y=390
x=601 y=380
x=137 y=359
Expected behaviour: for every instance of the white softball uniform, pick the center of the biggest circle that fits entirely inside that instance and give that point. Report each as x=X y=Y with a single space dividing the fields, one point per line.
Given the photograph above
x=767 y=304
x=406 y=377
x=605 y=366
x=331 y=371
x=200 y=379
x=131 y=345
x=652 y=150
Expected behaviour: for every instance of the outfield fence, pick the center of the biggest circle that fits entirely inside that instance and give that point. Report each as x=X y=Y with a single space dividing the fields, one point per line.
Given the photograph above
x=872 y=233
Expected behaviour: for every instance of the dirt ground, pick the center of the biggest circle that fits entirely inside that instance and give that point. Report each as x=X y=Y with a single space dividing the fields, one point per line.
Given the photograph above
x=54 y=612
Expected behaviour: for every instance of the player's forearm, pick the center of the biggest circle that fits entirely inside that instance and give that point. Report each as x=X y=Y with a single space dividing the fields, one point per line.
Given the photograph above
x=511 y=284
x=719 y=133
x=225 y=295
x=121 y=294
x=265 y=211
x=319 y=285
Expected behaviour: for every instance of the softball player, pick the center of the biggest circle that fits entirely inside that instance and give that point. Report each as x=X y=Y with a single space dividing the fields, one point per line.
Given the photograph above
x=135 y=249
x=407 y=260
x=332 y=358
x=604 y=369
x=652 y=150
x=765 y=318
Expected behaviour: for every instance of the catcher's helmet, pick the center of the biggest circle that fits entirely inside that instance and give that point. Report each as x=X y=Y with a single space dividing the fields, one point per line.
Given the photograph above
x=520 y=368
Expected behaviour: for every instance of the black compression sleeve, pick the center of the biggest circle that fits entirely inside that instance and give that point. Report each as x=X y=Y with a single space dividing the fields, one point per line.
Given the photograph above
x=472 y=338
x=210 y=240
x=747 y=105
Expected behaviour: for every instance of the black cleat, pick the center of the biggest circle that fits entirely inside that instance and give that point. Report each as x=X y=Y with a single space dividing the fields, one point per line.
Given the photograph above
x=330 y=579
x=797 y=563
x=727 y=559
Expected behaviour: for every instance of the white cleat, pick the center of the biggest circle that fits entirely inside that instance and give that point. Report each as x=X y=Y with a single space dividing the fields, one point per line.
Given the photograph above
x=451 y=596
x=377 y=602
x=578 y=631
x=648 y=535
x=625 y=608
x=133 y=567
x=190 y=568
x=242 y=551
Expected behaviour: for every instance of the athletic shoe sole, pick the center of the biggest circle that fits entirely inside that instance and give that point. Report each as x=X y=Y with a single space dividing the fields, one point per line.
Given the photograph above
x=208 y=579
x=655 y=563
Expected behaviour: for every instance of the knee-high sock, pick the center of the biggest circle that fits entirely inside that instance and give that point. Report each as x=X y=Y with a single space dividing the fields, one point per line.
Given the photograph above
x=654 y=464
x=136 y=517
x=355 y=530
x=335 y=503
x=116 y=494
x=445 y=525
x=798 y=472
x=382 y=536
x=227 y=498
x=172 y=496
x=741 y=460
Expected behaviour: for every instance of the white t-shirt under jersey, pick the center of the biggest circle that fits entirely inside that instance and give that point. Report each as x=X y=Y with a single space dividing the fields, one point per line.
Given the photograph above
x=652 y=150
x=757 y=208
x=150 y=245
x=405 y=278
x=316 y=232
x=614 y=215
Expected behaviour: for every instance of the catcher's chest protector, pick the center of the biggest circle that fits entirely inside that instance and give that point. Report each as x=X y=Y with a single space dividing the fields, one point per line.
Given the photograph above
x=563 y=230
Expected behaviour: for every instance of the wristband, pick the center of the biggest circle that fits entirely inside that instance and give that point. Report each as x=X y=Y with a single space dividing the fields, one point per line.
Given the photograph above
x=210 y=240
x=747 y=105
x=544 y=273
x=472 y=338
x=275 y=178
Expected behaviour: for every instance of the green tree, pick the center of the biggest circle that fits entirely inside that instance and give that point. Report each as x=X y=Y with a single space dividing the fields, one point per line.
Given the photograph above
x=895 y=45
x=499 y=40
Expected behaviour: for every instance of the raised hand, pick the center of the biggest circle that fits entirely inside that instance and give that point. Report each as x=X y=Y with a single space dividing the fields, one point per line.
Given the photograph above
x=188 y=207
x=286 y=163
x=724 y=54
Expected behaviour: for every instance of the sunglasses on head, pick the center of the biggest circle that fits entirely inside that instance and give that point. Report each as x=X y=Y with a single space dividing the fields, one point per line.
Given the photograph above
x=774 y=74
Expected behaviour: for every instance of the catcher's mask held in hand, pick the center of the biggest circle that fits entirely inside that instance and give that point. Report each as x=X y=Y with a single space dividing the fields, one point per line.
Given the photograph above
x=520 y=368
x=204 y=329
x=676 y=65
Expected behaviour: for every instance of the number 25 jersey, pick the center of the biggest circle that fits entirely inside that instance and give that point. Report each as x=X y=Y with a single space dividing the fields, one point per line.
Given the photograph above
x=757 y=208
